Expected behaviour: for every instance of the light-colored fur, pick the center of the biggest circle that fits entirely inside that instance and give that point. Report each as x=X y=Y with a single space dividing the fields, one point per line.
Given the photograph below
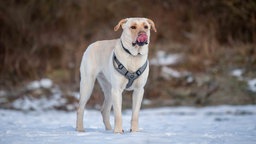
x=97 y=63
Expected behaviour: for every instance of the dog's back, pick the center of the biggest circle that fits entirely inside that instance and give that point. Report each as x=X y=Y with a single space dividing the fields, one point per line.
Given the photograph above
x=97 y=54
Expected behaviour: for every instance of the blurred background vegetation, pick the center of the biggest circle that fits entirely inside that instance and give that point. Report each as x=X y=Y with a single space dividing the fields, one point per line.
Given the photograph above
x=46 y=38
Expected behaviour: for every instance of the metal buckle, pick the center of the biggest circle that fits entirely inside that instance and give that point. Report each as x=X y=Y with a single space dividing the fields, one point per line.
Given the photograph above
x=138 y=72
x=131 y=76
x=120 y=66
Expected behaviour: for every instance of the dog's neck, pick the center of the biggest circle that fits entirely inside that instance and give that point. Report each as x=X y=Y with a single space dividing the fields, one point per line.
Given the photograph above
x=125 y=49
x=131 y=61
x=133 y=50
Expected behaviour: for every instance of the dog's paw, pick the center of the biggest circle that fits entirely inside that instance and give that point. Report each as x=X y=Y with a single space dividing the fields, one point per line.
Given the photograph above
x=118 y=131
x=108 y=127
x=134 y=130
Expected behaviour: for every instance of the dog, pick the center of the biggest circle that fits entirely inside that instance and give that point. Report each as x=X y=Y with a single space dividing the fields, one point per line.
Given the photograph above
x=118 y=65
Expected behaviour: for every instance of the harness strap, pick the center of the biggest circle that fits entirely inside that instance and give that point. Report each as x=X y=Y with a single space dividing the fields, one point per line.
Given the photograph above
x=123 y=71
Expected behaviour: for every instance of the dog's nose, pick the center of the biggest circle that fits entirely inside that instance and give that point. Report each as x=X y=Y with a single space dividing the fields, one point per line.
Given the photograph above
x=142 y=37
x=141 y=32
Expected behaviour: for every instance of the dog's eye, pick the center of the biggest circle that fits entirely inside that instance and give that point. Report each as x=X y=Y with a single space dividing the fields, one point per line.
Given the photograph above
x=133 y=27
x=146 y=27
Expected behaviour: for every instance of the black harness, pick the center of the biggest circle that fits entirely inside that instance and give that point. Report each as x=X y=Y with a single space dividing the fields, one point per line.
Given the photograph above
x=123 y=71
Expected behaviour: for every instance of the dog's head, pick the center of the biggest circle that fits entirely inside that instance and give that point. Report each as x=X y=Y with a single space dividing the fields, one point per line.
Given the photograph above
x=136 y=30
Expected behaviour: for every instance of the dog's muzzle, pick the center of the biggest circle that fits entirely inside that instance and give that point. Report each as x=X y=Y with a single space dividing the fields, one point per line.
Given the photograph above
x=141 y=40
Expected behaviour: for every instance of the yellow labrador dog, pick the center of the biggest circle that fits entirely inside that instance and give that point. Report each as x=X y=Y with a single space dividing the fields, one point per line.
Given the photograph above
x=118 y=65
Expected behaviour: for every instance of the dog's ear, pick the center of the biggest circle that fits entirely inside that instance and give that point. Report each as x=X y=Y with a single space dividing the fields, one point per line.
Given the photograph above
x=152 y=24
x=121 y=22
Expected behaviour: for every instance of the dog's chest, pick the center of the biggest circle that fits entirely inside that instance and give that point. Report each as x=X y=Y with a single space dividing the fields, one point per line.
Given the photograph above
x=133 y=64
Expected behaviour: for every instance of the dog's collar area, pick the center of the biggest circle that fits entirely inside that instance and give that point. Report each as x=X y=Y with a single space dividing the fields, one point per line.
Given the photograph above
x=123 y=71
x=125 y=49
x=133 y=44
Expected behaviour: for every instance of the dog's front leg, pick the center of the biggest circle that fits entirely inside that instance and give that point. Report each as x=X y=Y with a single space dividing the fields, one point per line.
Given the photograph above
x=136 y=104
x=117 y=106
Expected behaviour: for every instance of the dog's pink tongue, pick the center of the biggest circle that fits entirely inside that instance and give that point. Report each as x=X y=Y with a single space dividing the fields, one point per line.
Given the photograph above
x=142 y=37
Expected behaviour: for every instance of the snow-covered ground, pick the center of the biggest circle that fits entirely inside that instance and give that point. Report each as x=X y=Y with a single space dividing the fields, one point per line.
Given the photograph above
x=180 y=125
x=251 y=82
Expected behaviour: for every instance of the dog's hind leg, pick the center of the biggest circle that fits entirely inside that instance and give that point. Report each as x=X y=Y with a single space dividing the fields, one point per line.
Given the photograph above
x=107 y=104
x=86 y=87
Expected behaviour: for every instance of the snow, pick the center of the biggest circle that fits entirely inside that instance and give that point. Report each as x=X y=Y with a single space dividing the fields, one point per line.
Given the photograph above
x=44 y=83
x=38 y=104
x=251 y=82
x=41 y=95
x=178 y=125
x=33 y=85
x=170 y=72
x=252 y=85
x=27 y=103
x=237 y=72
x=163 y=59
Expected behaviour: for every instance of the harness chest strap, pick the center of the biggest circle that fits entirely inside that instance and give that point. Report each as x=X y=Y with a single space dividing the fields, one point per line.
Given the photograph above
x=123 y=71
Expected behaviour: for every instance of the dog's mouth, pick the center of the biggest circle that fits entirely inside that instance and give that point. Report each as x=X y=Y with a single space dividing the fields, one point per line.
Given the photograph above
x=141 y=40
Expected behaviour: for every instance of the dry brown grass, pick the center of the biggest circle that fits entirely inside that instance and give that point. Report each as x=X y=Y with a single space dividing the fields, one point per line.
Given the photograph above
x=47 y=38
